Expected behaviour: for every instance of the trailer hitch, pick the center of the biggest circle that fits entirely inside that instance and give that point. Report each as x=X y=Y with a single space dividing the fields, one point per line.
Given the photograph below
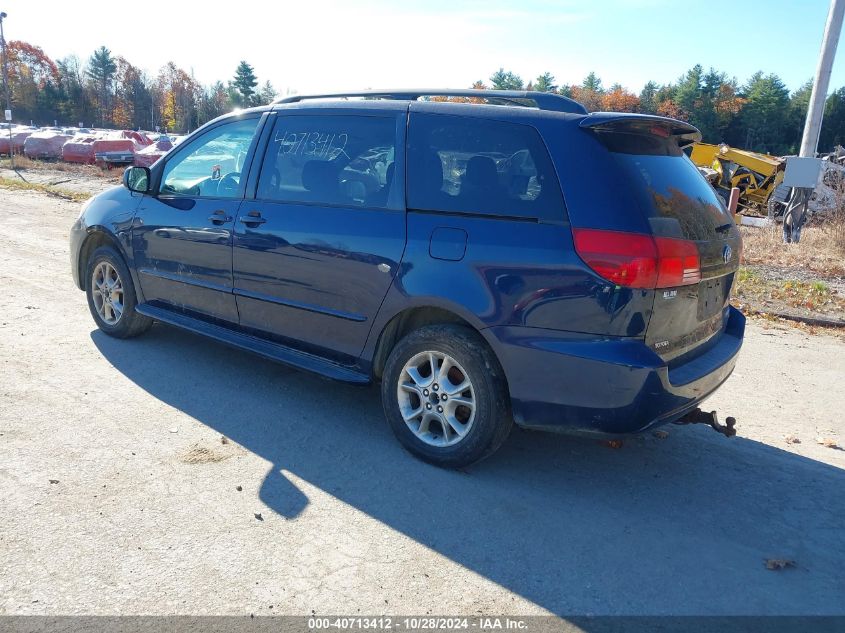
x=697 y=416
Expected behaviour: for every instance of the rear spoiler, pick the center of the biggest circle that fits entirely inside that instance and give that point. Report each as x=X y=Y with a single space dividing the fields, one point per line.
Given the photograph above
x=621 y=122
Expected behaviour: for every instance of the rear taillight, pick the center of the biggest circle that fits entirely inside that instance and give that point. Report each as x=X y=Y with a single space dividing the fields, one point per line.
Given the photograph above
x=677 y=262
x=635 y=260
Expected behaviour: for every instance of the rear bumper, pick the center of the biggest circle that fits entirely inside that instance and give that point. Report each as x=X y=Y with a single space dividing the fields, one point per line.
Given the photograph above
x=577 y=383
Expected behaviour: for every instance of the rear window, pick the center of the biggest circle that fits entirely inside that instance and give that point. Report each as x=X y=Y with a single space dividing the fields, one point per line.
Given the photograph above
x=479 y=166
x=678 y=200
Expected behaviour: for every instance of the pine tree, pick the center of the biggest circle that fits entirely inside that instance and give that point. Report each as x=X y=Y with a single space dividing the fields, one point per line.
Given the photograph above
x=267 y=94
x=592 y=83
x=799 y=102
x=502 y=80
x=545 y=83
x=764 y=115
x=101 y=70
x=648 y=98
x=244 y=85
x=833 y=124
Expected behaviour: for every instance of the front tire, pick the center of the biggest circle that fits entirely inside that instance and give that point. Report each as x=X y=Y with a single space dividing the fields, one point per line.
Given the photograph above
x=445 y=396
x=111 y=295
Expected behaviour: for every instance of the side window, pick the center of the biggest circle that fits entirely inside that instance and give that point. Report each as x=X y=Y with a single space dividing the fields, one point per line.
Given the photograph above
x=468 y=165
x=210 y=166
x=342 y=160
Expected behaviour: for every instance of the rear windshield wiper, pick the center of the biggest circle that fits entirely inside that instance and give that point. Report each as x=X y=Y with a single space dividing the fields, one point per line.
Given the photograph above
x=724 y=228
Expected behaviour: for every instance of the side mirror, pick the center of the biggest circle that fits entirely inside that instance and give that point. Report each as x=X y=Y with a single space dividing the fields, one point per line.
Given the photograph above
x=137 y=179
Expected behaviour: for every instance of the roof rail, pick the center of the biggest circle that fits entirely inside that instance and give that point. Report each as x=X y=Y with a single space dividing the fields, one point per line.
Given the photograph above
x=541 y=100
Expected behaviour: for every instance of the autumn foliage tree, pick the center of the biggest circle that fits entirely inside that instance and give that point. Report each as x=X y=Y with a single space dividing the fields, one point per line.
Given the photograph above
x=177 y=93
x=33 y=79
x=618 y=99
x=131 y=96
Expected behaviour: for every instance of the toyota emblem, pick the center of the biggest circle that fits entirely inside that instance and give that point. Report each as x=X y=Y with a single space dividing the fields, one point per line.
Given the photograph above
x=726 y=253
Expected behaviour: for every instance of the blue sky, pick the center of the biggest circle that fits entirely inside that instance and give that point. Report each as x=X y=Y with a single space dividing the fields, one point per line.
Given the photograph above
x=314 y=45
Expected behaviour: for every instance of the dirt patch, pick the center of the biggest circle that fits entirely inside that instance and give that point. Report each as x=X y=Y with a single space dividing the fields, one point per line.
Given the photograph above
x=199 y=454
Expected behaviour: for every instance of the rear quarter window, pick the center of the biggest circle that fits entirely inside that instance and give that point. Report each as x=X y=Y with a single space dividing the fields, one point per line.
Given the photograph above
x=480 y=166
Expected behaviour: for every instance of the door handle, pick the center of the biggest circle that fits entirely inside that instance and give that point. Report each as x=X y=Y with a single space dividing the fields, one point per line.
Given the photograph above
x=253 y=219
x=219 y=217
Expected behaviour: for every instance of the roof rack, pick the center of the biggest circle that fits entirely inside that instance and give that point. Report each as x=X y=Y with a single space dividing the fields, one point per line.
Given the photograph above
x=523 y=98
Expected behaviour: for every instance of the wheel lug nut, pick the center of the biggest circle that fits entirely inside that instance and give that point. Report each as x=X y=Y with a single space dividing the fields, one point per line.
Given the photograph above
x=444 y=397
x=428 y=405
x=439 y=409
x=435 y=387
x=425 y=392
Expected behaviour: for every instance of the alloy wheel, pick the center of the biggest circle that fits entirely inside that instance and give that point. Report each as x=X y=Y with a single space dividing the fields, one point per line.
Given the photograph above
x=107 y=292
x=436 y=398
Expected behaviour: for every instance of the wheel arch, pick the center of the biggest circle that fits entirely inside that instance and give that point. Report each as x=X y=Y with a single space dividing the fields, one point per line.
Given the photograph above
x=410 y=319
x=97 y=236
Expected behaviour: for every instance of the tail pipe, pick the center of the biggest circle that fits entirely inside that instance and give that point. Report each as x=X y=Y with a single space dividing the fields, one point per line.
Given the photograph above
x=697 y=416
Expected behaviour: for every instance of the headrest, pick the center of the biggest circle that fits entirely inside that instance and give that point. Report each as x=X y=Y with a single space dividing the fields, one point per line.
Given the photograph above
x=481 y=171
x=319 y=175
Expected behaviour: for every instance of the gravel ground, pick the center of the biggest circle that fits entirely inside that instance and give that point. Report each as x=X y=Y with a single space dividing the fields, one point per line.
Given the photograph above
x=119 y=496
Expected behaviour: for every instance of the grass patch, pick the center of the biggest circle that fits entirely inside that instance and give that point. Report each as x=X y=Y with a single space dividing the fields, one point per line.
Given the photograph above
x=761 y=293
x=746 y=275
x=23 y=163
x=66 y=194
x=821 y=249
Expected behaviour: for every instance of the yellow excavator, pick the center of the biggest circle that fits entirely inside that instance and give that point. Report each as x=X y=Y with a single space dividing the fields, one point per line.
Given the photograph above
x=755 y=175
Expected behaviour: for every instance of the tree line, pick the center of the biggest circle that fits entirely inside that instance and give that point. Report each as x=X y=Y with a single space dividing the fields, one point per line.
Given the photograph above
x=761 y=114
x=108 y=91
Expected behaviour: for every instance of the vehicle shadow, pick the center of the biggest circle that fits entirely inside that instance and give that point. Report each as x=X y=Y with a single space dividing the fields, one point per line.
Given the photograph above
x=680 y=525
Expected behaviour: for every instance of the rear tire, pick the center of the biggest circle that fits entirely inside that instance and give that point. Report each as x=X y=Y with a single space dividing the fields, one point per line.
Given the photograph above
x=445 y=396
x=111 y=295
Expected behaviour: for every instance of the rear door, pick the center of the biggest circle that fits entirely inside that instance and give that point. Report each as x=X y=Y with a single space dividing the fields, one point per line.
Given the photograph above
x=679 y=205
x=317 y=250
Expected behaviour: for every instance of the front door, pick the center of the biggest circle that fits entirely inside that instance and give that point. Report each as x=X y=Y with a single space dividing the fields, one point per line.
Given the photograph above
x=182 y=235
x=316 y=251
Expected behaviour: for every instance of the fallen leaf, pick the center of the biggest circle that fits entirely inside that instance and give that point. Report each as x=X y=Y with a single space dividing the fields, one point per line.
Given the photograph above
x=239 y=488
x=828 y=442
x=258 y=516
x=612 y=443
x=779 y=563
x=660 y=434
x=791 y=439
x=224 y=439
x=54 y=481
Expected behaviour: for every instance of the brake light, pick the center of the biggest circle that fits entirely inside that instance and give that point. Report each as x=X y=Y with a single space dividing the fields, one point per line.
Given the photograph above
x=635 y=260
x=677 y=262
x=659 y=130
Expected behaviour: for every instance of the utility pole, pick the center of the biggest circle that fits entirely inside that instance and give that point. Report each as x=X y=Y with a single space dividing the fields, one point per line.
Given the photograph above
x=815 y=113
x=6 y=89
x=799 y=198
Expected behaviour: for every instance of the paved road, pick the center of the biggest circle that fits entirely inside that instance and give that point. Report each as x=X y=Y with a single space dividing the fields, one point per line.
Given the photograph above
x=146 y=515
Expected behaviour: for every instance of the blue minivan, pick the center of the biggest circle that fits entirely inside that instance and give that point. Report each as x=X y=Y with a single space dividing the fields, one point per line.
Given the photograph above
x=489 y=257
